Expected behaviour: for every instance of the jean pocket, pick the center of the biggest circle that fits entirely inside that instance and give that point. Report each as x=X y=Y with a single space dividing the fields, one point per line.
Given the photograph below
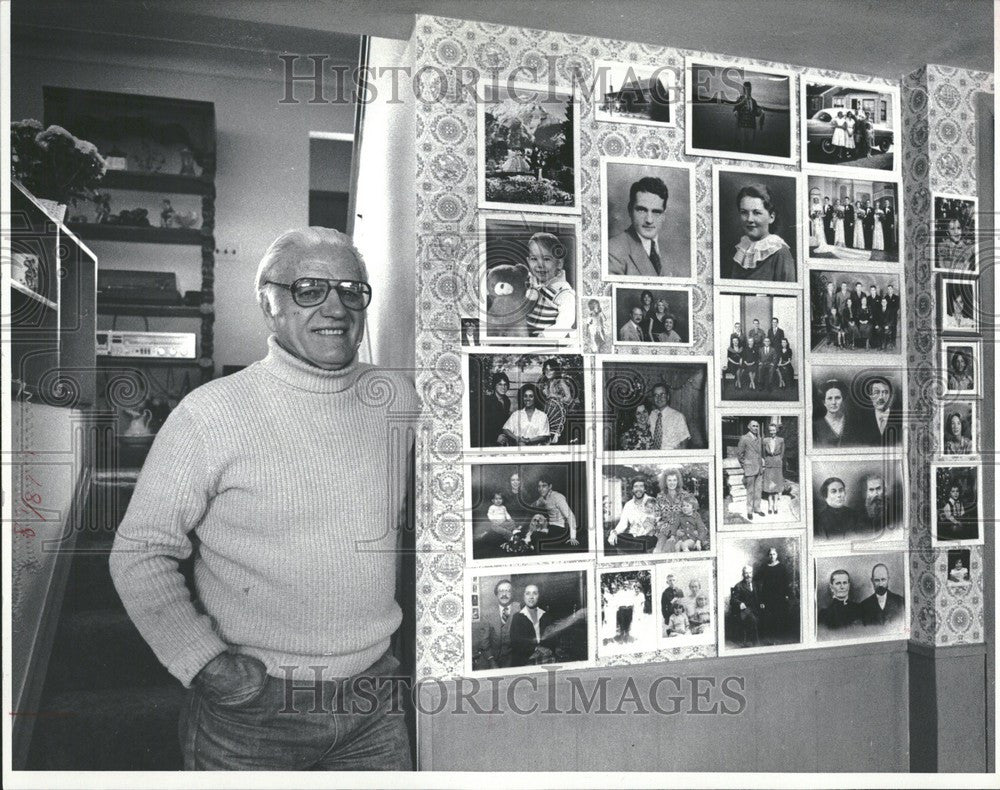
x=242 y=697
x=241 y=685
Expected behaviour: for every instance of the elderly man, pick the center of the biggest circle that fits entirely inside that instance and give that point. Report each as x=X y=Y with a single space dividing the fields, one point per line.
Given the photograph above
x=280 y=480
x=883 y=606
x=842 y=611
x=749 y=452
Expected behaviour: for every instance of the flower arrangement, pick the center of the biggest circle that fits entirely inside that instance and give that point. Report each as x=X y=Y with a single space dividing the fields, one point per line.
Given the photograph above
x=53 y=164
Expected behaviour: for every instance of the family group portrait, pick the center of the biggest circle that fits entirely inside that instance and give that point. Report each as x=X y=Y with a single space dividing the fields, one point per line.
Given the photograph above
x=756 y=225
x=519 y=510
x=518 y=400
x=861 y=597
x=628 y=620
x=528 y=619
x=650 y=405
x=852 y=311
x=530 y=280
x=760 y=469
x=856 y=407
x=853 y=219
x=760 y=588
x=635 y=93
x=739 y=112
x=655 y=508
x=955 y=238
x=850 y=124
x=957 y=499
x=655 y=316
x=686 y=608
x=858 y=499
x=757 y=339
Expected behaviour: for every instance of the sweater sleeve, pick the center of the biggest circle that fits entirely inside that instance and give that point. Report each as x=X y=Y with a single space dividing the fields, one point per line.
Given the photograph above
x=170 y=499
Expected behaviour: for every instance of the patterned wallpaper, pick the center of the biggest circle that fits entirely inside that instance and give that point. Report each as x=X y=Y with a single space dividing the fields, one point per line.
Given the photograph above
x=448 y=271
x=939 y=128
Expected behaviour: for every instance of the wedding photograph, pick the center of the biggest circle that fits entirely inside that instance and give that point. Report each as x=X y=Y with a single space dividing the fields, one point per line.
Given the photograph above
x=858 y=499
x=852 y=219
x=855 y=408
x=635 y=93
x=957 y=428
x=651 y=404
x=738 y=112
x=957 y=305
x=757 y=345
x=518 y=510
x=684 y=602
x=849 y=125
x=530 y=274
x=755 y=224
x=529 y=148
x=628 y=620
x=524 y=400
x=852 y=312
x=760 y=592
x=862 y=597
x=960 y=367
x=654 y=317
x=957 y=502
x=655 y=508
x=955 y=240
x=648 y=224
x=760 y=469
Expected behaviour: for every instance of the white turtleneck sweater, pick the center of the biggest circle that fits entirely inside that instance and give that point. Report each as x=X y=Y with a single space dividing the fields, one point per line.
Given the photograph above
x=292 y=479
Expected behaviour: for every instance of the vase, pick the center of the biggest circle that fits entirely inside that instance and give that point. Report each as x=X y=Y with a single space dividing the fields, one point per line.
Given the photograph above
x=53 y=208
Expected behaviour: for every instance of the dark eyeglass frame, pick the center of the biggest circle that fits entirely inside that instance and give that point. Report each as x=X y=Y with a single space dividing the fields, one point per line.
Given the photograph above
x=340 y=285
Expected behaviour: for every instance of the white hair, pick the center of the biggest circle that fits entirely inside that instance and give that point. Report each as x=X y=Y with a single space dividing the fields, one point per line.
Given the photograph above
x=296 y=244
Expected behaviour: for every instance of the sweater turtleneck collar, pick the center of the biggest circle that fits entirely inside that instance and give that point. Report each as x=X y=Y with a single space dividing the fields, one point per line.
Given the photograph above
x=301 y=375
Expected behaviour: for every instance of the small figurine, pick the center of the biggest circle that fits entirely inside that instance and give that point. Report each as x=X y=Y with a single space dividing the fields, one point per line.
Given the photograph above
x=103 y=201
x=185 y=218
x=187 y=162
x=167 y=214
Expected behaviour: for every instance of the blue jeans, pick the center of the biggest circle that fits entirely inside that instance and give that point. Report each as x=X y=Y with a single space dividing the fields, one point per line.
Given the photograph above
x=345 y=725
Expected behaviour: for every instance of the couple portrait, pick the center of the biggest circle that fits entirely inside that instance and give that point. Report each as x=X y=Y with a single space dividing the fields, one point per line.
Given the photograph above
x=857 y=499
x=856 y=408
x=861 y=597
x=760 y=469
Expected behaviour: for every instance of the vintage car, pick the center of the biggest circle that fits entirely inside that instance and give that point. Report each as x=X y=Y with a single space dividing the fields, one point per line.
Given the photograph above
x=819 y=131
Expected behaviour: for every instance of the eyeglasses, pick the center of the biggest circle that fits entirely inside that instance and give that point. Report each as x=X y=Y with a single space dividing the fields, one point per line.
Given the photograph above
x=312 y=291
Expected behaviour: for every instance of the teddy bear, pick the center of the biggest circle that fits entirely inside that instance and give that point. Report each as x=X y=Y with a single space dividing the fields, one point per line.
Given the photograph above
x=507 y=305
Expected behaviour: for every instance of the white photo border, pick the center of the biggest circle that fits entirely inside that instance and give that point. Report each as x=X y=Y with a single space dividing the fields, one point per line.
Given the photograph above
x=662 y=570
x=980 y=538
x=977 y=364
x=940 y=295
x=639 y=69
x=940 y=412
x=652 y=287
x=933 y=235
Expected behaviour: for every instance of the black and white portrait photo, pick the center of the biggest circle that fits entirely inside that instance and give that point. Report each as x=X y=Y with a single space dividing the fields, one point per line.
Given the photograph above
x=739 y=113
x=648 y=225
x=652 y=316
x=530 y=618
x=529 y=148
x=857 y=499
x=470 y=331
x=650 y=404
x=855 y=312
x=655 y=508
x=760 y=583
x=521 y=400
x=628 y=621
x=760 y=469
x=516 y=510
x=958 y=306
x=684 y=601
x=756 y=225
x=757 y=347
x=635 y=93
x=955 y=238
x=956 y=498
x=957 y=428
x=850 y=125
x=861 y=597
x=530 y=278
x=597 y=325
x=960 y=367
x=959 y=568
x=856 y=408
x=852 y=219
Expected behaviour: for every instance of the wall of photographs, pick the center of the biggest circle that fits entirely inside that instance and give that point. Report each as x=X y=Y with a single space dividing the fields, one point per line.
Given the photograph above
x=663 y=349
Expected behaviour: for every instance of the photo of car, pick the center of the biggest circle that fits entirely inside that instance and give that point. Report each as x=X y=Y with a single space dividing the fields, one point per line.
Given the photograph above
x=819 y=132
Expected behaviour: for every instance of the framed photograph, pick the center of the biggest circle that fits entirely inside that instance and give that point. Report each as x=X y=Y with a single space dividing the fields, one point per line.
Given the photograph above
x=862 y=597
x=652 y=404
x=858 y=499
x=955 y=239
x=598 y=327
x=524 y=400
x=739 y=112
x=684 y=602
x=470 y=331
x=958 y=305
x=648 y=226
x=517 y=510
x=760 y=469
x=851 y=126
x=958 y=428
x=755 y=224
x=856 y=408
x=758 y=345
x=529 y=148
x=635 y=93
x=655 y=508
x=957 y=499
x=760 y=592
x=959 y=568
x=855 y=313
x=627 y=615
x=521 y=621
x=531 y=275
x=961 y=363
x=856 y=220
x=652 y=317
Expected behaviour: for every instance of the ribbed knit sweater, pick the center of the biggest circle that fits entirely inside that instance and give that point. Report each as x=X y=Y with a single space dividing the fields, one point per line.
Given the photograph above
x=292 y=479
